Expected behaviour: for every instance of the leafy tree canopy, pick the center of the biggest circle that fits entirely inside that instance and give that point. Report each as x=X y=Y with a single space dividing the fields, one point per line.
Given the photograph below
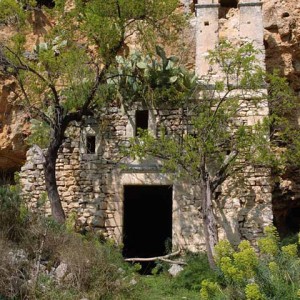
x=69 y=72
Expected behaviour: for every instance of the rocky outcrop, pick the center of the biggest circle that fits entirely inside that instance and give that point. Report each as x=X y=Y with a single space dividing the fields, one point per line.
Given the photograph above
x=14 y=129
x=14 y=126
x=282 y=37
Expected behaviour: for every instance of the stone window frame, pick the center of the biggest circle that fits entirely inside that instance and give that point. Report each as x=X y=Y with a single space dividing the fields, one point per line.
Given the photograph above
x=131 y=125
x=90 y=130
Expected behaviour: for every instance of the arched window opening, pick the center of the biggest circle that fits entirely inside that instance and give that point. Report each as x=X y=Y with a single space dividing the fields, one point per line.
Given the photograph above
x=225 y=6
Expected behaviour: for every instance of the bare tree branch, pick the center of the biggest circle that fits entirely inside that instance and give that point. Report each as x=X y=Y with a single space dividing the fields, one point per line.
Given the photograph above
x=164 y=258
x=26 y=67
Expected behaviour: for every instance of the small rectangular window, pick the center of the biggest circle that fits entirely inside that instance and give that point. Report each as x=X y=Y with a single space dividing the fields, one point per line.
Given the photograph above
x=141 y=120
x=91 y=144
x=206 y=23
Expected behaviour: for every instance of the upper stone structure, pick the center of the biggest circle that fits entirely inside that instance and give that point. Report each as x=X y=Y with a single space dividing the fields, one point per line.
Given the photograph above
x=209 y=14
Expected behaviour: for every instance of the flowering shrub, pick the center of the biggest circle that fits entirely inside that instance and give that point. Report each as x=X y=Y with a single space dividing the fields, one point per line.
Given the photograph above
x=290 y=250
x=223 y=249
x=253 y=293
x=269 y=244
x=209 y=290
x=236 y=266
x=271 y=273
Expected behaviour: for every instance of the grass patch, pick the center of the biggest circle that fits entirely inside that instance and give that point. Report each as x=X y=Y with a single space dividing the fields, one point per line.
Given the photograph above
x=158 y=287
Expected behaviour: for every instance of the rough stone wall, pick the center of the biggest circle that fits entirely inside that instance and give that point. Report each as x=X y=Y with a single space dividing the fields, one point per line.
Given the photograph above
x=91 y=185
x=282 y=36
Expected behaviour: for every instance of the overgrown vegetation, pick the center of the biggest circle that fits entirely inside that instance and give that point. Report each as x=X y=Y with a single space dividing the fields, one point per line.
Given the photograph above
x=272 y=273
x=41 y=259
x=33 y=248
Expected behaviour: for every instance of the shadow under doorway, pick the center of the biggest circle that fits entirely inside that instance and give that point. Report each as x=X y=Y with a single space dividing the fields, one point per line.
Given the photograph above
x=147 y=227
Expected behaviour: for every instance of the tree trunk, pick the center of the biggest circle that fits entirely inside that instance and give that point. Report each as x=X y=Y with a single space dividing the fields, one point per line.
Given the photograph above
x=209 y=221
x=51 y=186
x=56 y=140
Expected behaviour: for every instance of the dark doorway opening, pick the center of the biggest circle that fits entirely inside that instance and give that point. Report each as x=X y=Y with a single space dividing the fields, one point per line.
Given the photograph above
x=147 y=227
x=287 y=220
x=7 y=177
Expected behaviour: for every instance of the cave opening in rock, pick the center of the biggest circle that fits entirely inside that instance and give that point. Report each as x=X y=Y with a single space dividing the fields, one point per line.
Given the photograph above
x=225 y=6
x=147 y=223
x=293 y=220
x=47 y=3
x=229 y=3
x=8 y=176
x=287 y=221
x=286 y=212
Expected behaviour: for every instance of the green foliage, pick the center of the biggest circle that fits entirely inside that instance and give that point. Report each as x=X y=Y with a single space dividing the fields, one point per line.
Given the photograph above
x=223 y=249
x=209 y=290
x=11 y=13
x=160 y=287
x=253 y=293
x=194 y=273
x=290 y=251
x=156 y=81
x=240 y=266
x=239 y=66
x=273 y=273
x=115 y=20
x=269 y=244
x=40 y=133
x=95 y=270
x=13 y=212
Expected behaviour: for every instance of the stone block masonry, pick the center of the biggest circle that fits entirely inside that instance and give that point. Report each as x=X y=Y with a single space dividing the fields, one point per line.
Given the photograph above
x=92 y=184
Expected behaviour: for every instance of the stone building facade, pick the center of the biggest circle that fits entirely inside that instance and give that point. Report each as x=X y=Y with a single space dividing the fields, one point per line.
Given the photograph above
x=132 y=203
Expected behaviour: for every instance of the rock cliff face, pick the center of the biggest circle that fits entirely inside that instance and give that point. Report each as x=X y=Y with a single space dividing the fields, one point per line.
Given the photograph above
x=13 y=129
x=14 y=126
x=282 y=37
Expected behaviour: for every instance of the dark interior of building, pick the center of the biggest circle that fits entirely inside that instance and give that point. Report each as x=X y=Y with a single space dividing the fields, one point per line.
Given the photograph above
x=147 y=230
